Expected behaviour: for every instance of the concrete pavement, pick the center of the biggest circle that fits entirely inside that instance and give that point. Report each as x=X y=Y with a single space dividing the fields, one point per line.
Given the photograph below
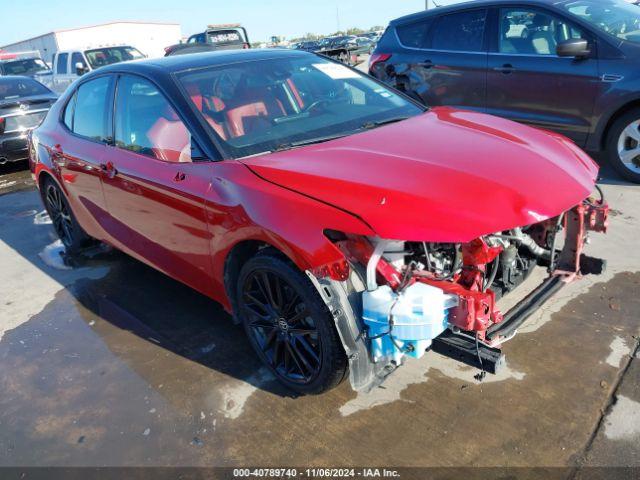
x=108 y=362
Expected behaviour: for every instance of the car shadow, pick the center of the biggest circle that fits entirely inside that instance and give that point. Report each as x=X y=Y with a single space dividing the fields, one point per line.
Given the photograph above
x=111 y=286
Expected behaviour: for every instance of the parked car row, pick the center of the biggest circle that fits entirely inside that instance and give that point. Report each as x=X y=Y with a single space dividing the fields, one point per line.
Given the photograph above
x=345 y=48
x=18 y=114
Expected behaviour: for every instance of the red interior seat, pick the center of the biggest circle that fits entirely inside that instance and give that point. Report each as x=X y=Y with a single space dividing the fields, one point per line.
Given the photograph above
x=171 y=138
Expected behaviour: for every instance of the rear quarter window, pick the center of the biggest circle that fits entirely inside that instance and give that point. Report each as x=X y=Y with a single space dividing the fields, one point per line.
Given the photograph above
x=463 y=31
x=415 y=35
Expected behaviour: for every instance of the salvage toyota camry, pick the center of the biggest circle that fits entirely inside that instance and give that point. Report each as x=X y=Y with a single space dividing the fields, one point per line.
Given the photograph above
x=344 y=225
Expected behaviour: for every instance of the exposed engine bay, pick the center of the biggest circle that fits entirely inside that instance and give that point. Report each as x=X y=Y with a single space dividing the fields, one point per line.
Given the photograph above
x=418 y=296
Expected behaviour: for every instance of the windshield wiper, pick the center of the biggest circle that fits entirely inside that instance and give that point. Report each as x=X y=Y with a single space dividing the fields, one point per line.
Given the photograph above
x=379 y=123
x=311 y=141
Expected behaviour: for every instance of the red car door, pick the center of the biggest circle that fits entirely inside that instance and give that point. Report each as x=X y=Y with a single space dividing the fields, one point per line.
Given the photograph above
x=80 y=152
x=154 y=192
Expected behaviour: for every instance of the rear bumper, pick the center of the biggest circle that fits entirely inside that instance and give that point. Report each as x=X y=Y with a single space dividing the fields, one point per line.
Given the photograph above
x=13 y=148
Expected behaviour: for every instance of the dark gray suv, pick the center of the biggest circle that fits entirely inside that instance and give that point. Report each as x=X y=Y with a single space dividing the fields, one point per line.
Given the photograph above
x=572 y=66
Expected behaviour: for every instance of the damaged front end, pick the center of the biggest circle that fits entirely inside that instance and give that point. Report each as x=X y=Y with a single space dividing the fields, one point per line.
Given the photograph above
x=392 y=299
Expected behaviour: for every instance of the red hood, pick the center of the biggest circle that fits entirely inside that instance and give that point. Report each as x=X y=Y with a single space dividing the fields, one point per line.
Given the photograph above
x=444 y=176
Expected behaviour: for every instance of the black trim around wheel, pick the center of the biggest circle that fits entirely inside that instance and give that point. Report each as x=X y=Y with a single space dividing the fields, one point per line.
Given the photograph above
x=59 y=213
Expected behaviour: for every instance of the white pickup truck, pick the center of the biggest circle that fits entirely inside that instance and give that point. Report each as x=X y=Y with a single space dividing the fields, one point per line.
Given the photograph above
x=68 y=65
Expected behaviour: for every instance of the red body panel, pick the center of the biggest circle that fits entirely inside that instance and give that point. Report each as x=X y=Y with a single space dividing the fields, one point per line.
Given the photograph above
x=444 y=176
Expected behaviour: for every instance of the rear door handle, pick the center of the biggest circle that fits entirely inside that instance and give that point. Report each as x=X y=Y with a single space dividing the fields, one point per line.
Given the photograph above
x=506 y=69
x=426 y=64
x=180 y=176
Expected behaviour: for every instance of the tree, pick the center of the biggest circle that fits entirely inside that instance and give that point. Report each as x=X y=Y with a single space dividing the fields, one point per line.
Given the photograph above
x=354 y=31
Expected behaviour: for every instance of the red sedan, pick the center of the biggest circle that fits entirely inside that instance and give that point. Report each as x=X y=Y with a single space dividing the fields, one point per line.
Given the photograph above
x=344 y=225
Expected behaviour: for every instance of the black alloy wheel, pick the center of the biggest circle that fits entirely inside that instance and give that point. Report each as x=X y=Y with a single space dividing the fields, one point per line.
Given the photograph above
x=289 y=326
x=64 y=223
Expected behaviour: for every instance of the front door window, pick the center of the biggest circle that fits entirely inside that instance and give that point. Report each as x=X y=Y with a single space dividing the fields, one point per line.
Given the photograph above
x=532 y=32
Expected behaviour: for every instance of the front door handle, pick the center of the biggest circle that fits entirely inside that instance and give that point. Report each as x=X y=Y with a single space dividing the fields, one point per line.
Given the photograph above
x=506 y=69
x=180 y=176
x=109 y=169
x=426 y=64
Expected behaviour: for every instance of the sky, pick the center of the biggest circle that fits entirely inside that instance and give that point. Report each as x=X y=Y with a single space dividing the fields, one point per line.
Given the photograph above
x=22 y=19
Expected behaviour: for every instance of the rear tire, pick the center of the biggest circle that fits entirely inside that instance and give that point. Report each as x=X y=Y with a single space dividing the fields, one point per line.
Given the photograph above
x=288 y=325
x=73 y=237
x=623 y=146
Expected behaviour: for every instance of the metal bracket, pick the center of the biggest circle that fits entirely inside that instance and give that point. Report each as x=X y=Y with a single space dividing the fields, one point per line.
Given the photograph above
x=343 y=299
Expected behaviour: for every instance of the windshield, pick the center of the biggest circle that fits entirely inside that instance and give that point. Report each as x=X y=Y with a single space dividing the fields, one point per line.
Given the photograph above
x=11 y=88
x=28 y=66
x=100 y=57
x=274 y=104
x=616 y=17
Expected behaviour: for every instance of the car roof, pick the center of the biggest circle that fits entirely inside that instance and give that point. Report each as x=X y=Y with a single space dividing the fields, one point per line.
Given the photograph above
x=93 y=48
x=16 y=77
x=178 y=63
x=470 y=4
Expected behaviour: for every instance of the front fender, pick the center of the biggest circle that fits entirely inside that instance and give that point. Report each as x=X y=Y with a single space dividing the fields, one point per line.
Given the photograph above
x=606 y=113
x=243 y=207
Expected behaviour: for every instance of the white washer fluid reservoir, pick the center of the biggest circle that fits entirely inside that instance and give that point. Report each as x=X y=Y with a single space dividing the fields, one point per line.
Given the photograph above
x=419 y=315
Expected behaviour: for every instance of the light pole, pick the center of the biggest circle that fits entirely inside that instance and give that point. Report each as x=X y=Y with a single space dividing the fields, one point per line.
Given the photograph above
x=426 y=6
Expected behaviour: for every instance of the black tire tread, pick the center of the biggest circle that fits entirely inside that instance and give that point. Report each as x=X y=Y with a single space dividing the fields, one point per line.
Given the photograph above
x=335 y=366
x=611 y=146
x=81 y=239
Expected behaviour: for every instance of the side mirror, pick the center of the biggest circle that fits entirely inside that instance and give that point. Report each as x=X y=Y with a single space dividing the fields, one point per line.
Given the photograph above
x=577 y=48
x=80 y=69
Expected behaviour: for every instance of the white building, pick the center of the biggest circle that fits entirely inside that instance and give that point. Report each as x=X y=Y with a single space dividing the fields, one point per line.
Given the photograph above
x=149 y=37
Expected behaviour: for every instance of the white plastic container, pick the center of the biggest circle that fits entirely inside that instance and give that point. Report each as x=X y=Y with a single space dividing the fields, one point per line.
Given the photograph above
x=419 y=315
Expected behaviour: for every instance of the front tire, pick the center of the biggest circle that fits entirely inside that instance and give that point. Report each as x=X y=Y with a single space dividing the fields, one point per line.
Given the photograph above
x=623 y=146
x=64 y=222
x=288 y=325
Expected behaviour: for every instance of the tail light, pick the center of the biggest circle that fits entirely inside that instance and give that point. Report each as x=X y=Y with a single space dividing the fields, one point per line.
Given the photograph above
x=2 y=125
x=377 y=58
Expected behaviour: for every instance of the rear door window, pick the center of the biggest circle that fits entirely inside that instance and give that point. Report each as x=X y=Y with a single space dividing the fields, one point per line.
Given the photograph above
x=460 y=32
x=415 y=35
x=61 y=63
x=68 y=112
x=91 y=113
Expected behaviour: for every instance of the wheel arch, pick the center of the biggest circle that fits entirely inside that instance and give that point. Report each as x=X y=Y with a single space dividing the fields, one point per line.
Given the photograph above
x=237 y=255
x=44 y=176
x=621 y=111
